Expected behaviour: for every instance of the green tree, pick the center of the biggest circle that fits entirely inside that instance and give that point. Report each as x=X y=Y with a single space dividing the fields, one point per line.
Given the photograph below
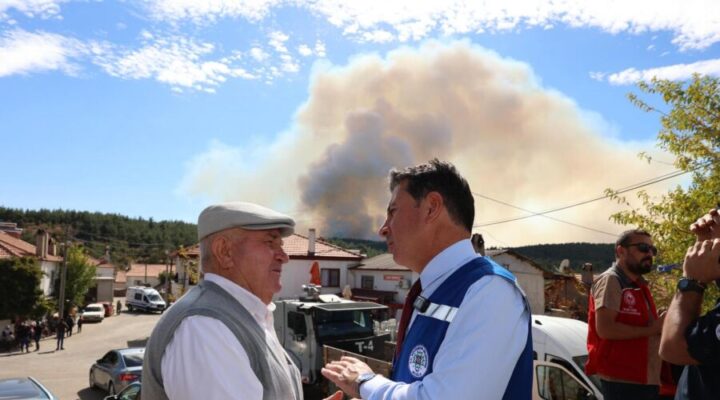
x=80 y=276
x=691 y=133
x=19 y=286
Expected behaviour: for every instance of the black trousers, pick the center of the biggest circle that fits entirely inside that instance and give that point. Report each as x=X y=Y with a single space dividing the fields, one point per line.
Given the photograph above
x=627 y=391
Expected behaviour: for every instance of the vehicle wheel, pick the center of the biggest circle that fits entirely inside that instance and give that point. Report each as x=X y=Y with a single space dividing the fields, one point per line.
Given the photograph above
x=111 y=389
x=92 y=380
x=130 y=308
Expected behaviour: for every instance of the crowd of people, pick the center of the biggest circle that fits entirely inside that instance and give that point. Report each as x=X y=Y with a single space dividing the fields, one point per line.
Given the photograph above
x=22 y=334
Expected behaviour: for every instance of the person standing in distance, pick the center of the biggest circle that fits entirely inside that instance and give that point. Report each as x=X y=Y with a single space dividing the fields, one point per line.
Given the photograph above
x=623 y=324
x=465 y=330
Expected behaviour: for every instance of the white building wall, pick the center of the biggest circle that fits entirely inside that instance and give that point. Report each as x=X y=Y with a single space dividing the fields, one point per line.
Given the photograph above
x=140 y=281
x=105 y=271
x=297 y=273
x=386 y=281
x=529 y=278
x=51 y=271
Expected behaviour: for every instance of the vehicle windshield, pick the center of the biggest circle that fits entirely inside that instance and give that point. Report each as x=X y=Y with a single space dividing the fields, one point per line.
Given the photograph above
x=20 y=388
x=580 y=362
x=93 y=308
x=133 y=360
x=154 y=297
x=343 y=323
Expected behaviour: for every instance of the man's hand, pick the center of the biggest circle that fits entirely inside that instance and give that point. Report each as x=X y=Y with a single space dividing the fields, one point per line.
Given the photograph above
x=345 y=372
x=702 y=260
x=707 y=227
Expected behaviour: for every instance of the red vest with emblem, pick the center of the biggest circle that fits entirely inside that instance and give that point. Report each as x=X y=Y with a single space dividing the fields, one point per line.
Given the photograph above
x=625 y=359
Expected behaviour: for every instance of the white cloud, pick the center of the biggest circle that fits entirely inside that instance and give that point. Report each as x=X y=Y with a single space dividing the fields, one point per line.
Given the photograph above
x=277 y=41
x=378 y=36
x=320 y=48
x=208 y=11
x=672 y=72
x=695 y=24
x=23 y=52
x=259 y=54
x=598 y=76
x=305 y=50
x=31 y=8
x=176 y=61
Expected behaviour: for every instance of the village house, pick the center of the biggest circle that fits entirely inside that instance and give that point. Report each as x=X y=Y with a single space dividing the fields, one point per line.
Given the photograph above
x=144 y=274
x=45 y=251
x=381 y=280
x=332 y=261
x=530 y=275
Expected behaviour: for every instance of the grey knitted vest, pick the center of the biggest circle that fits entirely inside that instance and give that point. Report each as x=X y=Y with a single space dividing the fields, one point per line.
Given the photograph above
x=277 y=373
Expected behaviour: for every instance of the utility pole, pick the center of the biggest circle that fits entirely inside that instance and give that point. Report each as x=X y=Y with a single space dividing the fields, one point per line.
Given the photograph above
x=168 y=285
x=63 y=277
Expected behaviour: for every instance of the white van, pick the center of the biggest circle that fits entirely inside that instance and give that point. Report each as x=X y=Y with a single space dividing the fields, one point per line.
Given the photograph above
x=145 y=299
x=560 y=347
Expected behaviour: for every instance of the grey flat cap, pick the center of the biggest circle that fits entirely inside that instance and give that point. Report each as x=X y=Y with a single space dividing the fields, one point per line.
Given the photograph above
x=239 y=214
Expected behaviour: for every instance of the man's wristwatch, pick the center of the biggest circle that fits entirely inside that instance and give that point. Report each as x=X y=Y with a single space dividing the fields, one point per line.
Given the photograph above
x=362 y=378
x=690 y=285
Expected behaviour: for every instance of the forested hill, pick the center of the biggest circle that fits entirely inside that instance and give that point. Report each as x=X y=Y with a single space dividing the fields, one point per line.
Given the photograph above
x=138 y=239
x=134 y=239
x=601 y=255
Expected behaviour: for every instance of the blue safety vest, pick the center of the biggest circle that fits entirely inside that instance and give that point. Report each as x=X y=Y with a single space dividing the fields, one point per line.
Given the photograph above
x=428 y=329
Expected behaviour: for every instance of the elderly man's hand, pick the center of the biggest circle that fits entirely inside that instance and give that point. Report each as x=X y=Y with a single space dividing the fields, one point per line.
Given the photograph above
x=345 y=372
x=702 y=261
x=708 y=226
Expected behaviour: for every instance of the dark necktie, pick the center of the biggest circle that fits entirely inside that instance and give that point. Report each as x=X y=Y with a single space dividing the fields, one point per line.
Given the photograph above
x=406 y=315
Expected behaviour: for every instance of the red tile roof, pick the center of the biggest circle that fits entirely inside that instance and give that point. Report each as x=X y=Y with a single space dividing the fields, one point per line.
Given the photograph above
x=121 y=276
x=296 y=246
x=14 y=247
x=382 y=262
x=153 y=270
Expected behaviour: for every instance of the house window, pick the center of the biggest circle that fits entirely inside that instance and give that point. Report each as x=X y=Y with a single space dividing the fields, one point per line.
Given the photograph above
x=367 y=282
x=330 y=277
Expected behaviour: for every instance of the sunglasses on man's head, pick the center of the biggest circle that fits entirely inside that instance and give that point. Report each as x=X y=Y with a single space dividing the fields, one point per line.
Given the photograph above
x=644 y=247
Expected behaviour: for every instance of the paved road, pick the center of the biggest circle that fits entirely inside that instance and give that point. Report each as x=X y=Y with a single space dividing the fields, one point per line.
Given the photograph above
x=65 y=372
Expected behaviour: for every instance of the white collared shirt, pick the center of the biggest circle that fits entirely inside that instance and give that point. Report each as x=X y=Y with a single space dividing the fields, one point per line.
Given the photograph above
x=204 y=360
x=481 y=346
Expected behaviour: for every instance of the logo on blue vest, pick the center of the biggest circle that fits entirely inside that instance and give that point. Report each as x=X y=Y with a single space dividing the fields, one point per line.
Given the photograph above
x=419 y=360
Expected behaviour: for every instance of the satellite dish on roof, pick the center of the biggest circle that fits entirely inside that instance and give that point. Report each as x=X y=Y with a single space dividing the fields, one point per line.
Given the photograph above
x=564 y=266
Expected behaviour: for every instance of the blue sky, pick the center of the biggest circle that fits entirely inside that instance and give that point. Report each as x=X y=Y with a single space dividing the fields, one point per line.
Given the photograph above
x=157 y=108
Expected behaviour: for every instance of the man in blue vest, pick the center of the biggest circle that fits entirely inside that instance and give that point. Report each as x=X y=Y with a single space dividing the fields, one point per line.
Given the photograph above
x=465 y=331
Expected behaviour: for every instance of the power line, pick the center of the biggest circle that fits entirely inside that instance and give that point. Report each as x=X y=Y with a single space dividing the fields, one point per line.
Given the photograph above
x=620 y=191
x=541 y=215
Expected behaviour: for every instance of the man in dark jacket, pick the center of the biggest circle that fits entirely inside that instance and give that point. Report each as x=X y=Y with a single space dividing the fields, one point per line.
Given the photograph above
x=689 y=338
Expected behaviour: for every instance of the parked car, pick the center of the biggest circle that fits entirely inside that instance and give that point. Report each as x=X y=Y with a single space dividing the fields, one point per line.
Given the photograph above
x=561 y=352
x=132 y=392
x=109 y=309
x=117 y=369
x=145 y=299
x=93 y=312
x=24 y=388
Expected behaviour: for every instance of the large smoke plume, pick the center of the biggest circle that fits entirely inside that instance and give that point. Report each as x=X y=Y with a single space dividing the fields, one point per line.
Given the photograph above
x=513 y=139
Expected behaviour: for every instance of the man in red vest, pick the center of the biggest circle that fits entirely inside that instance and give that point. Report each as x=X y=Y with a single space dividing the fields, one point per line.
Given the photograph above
x=624 y=327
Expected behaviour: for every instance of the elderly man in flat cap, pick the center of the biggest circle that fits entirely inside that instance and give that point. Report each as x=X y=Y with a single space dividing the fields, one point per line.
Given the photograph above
x=218 y=341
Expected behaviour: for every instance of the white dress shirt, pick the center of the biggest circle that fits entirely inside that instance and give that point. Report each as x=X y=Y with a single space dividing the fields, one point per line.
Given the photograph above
x=481 y=346
x=204 y=360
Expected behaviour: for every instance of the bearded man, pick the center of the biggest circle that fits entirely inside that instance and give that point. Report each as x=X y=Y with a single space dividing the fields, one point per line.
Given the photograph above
x=623 y=325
